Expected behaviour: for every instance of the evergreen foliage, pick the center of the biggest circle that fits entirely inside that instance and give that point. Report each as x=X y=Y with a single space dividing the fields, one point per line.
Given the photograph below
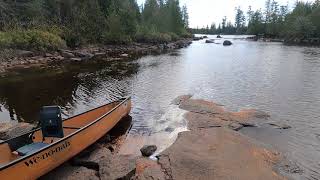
x=275 y=21
x=80 y=22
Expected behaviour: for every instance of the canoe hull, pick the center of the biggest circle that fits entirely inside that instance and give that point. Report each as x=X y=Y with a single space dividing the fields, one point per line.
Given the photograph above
x=47 y=159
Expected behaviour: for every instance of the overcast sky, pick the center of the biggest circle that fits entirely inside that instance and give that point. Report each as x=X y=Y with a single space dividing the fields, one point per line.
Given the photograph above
x=205 y=12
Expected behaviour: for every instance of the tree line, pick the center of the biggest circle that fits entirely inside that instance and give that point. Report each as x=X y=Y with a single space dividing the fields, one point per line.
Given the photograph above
x=50 y=24
x=275 y=21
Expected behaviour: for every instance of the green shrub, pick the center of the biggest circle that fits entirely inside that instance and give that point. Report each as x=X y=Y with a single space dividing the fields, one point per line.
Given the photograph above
x=153 y=37
x=111 y=38
x=185 y=34
x=31 y=40
x=174 y=36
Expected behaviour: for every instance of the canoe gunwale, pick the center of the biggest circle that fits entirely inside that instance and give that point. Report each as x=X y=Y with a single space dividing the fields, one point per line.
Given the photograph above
x=122 y=101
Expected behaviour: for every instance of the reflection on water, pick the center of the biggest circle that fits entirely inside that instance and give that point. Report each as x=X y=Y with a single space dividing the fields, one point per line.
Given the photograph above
x=75 y=92
x=282 y=80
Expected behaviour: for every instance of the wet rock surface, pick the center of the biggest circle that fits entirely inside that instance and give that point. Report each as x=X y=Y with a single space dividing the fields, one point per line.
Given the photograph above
x=147 y=169
x=178 y=100
x=101 y=163
x=217 y=154
x=213 y=149
x=117 y=167
x=11 y=130
x=279 y=125
x=235 y=126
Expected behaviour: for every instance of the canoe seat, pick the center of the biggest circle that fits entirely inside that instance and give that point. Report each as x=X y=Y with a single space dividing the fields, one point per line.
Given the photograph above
x=30 y=148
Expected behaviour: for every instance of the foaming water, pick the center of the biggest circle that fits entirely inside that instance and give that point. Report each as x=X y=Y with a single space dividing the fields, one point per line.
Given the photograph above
x=162 y=132
x=281 y=80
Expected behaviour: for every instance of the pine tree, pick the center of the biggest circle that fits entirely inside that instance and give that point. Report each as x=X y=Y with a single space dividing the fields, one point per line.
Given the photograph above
x=185 y=16
x=239 y=20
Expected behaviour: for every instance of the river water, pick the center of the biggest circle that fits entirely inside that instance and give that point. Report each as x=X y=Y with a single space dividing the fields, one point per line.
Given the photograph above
x=281 y=80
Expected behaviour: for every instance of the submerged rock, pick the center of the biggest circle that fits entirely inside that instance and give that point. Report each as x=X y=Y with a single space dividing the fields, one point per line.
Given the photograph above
x=248 y=124
x=279 y=125
x=179 y=99
x=227 y=43
x=148 y=150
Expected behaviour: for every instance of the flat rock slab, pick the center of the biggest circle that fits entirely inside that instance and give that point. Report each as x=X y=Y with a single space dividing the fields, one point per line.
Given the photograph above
x=203 y=121
x=217 y=111
x=117 y=167
x=148 y=169
x=217 y=153
x=68 y=172
x=201 y=106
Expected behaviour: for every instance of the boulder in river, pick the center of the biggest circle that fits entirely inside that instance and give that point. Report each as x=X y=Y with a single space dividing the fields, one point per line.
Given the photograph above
x=227 y=43
x=219 y=36
x=148 y=150
x=196 y=38
x=209 y=41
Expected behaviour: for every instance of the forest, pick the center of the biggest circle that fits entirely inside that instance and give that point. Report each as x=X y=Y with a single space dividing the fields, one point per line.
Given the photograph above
x=52 y=24
x=274 y=21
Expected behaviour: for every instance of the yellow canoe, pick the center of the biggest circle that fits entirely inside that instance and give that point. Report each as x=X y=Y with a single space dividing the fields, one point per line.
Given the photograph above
x=79 y=132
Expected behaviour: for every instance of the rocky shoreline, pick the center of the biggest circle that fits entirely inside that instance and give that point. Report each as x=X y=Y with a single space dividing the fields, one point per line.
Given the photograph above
x=213 y=148
x=15 y=60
